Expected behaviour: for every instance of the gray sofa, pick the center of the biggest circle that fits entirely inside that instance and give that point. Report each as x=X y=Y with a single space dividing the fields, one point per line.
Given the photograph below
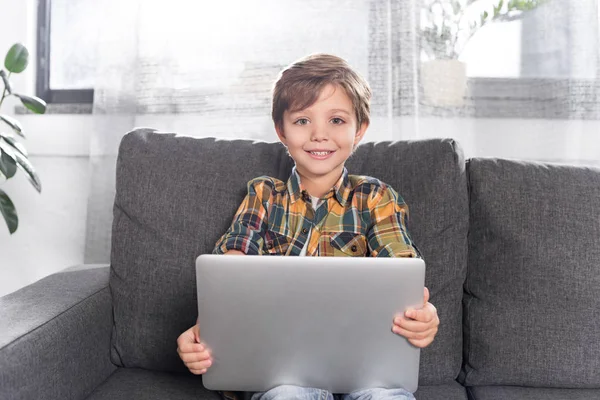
x=513 y=266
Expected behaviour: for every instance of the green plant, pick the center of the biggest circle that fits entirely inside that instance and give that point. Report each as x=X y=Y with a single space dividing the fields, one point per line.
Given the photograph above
x=13 y=154
x=447 y=25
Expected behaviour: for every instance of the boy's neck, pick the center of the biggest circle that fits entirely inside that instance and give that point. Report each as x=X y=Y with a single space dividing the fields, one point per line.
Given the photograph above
x=319 y=186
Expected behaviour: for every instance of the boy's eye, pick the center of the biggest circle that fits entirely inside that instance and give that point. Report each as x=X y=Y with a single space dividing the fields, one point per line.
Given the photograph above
x=337 y=121
x=301 y=121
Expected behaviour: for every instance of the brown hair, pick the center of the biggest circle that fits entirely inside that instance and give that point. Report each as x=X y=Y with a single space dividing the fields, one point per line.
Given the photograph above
x=299 y=85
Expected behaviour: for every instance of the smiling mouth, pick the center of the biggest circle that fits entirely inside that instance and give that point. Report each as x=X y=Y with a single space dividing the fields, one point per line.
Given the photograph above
x=320 y=153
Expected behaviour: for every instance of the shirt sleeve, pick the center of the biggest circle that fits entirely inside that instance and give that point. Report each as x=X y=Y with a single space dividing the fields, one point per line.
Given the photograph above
x=247 y=230
x=388 y=233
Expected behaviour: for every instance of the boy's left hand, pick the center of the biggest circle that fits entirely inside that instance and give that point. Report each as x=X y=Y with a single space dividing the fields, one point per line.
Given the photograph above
x=418 y=326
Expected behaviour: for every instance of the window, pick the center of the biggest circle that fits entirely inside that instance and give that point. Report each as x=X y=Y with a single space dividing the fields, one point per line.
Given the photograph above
x=556 y=40
x=65 y=53
x=71 y=35
x=543 y=64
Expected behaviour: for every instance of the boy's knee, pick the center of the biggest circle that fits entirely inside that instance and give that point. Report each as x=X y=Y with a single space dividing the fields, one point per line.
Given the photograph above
x=289 y=392
x=380 y=394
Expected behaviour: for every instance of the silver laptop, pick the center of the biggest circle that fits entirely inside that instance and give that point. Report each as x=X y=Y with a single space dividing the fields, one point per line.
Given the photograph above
x=323 y=322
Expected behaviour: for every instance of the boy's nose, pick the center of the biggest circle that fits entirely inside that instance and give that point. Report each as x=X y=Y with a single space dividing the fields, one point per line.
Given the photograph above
x=319 y=133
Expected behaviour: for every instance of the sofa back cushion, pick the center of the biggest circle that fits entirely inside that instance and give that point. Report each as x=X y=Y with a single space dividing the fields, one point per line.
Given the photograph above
x=176 y=195
x=531 y=304
x=430 y=176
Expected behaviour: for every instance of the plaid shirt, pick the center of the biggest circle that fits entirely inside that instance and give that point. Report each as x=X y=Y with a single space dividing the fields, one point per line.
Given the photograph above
x=360 y=216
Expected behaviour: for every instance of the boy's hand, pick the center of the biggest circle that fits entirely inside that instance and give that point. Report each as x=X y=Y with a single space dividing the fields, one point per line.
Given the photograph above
x=194 y=354
x=418 y=326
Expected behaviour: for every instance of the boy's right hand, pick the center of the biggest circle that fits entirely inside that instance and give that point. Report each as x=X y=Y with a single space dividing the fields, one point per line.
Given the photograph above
x=194 y=354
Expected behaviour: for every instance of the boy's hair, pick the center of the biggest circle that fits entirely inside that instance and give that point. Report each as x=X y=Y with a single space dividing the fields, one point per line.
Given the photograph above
x=299 y=86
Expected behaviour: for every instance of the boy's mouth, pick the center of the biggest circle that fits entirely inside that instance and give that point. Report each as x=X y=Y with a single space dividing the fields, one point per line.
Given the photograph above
x=320 y=154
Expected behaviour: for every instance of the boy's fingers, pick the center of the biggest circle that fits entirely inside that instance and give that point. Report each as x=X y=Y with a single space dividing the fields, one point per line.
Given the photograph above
x=420 y=315
x=199 y=365
x=413 y=326
x=421 y=343
x=425 y=295
x=423 y=318
x=191 y=348
x=198 y=371
x=195 y=357
x=414 y=335
x=425 y=314
x=189 y=336
x=196 y=331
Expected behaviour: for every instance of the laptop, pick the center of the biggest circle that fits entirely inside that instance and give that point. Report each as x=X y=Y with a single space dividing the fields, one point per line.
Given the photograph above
x=322 y=322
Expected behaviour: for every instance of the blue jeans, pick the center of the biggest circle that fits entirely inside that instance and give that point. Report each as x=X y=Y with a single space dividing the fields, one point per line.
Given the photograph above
x=290 y=392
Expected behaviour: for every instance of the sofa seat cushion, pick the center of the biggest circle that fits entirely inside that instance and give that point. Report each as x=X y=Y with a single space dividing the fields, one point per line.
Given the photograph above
x=135 y=383
x=451 y=391
x=531 y=393
x=532 y=310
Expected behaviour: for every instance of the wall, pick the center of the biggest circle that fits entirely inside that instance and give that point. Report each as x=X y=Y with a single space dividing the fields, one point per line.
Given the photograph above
x=51 y=232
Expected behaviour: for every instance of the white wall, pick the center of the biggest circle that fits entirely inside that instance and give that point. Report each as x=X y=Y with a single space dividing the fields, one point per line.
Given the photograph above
x=51 y=233
x=51 y=230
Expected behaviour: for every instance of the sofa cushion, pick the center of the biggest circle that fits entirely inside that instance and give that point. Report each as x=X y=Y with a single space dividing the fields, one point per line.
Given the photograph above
x=450 y=391
x=134 y=383
x=176 y=195
x=532 y=310
x=430 y=176
x=55 y=336
x=530 y=393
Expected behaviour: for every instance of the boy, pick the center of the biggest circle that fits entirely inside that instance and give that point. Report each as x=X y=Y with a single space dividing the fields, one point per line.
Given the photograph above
x=321 y=112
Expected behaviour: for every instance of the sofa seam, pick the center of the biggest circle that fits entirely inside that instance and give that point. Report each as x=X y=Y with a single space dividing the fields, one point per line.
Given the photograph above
x=114 y=339
x=467 y=344
x=103 y=382
x=55 y=317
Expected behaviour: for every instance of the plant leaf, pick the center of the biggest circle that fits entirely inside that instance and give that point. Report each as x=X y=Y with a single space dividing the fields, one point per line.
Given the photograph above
x=13 y=142
x=33 y=103
x=7 y=208
x=17 y=58
x=6 y=81
x=8 y=165
x=496 y=12
x=23 y=164
x=14 y=124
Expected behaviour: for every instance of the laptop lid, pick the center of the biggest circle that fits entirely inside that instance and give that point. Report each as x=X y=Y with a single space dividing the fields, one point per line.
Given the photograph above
x=322 y=322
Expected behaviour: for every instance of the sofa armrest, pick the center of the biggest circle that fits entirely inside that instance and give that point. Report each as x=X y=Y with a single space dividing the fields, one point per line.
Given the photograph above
x=55 y=336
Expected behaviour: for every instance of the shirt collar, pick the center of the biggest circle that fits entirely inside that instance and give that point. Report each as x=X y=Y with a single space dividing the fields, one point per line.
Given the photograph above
x=341 y=189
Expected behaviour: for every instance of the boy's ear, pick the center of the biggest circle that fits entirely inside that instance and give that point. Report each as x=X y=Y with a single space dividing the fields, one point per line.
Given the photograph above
x=360 y=133
x=280 y=134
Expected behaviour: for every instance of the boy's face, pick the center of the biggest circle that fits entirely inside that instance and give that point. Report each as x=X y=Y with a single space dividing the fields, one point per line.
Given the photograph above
x=321 y=137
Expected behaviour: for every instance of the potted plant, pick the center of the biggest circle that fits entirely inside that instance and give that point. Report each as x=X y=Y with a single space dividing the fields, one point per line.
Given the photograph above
x=13 y=154
x=446 y=27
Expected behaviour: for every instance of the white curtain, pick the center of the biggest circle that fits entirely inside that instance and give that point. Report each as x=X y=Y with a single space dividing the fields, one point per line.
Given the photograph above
x=525 y=85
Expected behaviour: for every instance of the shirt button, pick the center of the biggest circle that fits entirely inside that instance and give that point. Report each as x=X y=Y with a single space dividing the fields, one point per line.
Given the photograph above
x=353 y=248
x=304 y=231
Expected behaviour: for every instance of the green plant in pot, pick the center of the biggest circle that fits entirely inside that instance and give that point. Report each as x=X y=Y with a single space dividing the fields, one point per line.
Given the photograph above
x=446 y=28
x=13 y=155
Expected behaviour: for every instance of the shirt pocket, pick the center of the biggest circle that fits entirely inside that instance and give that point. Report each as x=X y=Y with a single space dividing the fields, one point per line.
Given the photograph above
x=276 y=243
x=348 y=244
